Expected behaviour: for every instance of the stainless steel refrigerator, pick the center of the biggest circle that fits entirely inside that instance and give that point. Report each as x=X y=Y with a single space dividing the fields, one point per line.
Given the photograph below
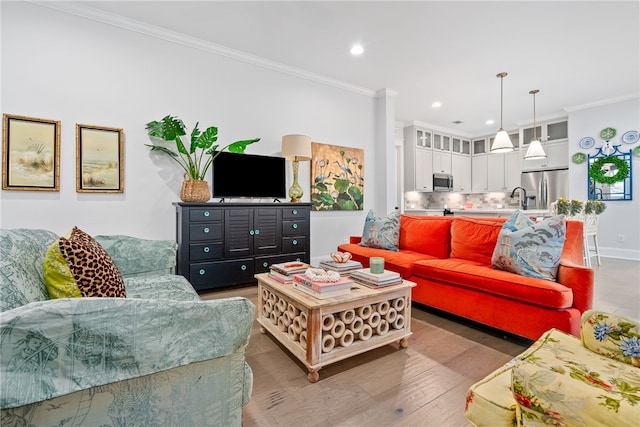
x=546 y=186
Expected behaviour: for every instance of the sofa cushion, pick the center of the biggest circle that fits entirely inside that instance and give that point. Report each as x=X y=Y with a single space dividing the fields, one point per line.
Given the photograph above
x=426 y=234
x=528 y=248
x=77 y=266
x=474 y=239
x=479 y=276
x=381 y=232
x=400 y=262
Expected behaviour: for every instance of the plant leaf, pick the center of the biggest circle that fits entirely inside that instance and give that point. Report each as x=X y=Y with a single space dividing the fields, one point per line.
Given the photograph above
x=207 y=138
x=240 y=146
x=169 y=128
x=195 y=133
x=163 y=149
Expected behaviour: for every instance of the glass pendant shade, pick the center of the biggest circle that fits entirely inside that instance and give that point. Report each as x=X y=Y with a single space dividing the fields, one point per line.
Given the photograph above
x=535 y=151
x=502 y=142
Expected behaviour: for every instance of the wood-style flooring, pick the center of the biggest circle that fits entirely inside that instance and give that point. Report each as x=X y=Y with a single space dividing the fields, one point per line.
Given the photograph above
x=422 y=385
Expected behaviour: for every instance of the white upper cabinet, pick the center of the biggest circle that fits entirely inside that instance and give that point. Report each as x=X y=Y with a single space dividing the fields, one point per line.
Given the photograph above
x=460 y=146
x=556 y=145
x=461 y=171
x=418 y=159
x=441 y=162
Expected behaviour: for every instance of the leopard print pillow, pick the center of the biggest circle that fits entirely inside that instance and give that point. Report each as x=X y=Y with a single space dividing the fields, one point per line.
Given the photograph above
x=77 y=266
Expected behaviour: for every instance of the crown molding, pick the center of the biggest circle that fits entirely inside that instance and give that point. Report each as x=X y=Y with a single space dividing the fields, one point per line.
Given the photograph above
x=602 y=103
x=108 y=18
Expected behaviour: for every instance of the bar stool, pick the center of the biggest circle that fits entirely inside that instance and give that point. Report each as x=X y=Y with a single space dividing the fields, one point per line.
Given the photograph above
x=591 y=230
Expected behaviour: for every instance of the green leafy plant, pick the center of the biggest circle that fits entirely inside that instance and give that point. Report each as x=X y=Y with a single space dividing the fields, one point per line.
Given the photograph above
x=594 y=207
x=202 y=150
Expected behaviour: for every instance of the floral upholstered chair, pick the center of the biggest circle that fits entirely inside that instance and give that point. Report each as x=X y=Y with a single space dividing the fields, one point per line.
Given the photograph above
x=563 y=381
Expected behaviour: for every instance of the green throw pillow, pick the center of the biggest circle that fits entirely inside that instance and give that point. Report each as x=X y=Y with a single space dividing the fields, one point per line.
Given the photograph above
x=77 y=266
x=528 y=248
x=381 y=232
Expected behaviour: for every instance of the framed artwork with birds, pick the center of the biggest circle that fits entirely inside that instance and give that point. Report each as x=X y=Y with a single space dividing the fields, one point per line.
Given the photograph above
x=337 y=178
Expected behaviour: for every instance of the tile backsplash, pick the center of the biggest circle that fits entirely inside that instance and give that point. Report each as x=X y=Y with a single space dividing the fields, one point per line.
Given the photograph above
x=438 y=200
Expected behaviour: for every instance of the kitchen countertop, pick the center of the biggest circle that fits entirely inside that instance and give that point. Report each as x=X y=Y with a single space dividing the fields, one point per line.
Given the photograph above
x=462 y=211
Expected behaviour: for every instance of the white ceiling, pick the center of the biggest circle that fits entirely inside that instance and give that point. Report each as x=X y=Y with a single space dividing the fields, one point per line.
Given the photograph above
x=577 y=53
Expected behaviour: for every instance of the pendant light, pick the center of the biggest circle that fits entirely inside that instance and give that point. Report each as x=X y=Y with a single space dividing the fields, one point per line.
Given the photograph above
x=535 y=151
x=502 y=142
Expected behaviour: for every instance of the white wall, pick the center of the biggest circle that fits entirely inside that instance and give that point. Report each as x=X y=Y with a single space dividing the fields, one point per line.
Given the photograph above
x=59 y=66
x=620 y=217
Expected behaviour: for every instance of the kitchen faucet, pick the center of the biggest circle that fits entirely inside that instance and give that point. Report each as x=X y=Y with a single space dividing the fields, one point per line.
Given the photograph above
x=523 y=200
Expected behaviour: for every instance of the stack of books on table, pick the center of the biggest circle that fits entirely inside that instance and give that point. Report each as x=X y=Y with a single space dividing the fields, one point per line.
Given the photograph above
x=341 y=267
x=365 y=277
x=322 y=290
x=283 y=272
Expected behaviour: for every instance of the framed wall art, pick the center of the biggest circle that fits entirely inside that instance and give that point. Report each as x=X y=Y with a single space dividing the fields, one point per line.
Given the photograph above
x=337 y=178
x=30 y=153
x=99 y=159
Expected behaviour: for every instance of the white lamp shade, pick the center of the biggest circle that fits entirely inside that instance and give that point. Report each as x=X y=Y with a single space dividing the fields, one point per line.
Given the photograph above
x=535 y=151
x=502 y=142
x=296 y=147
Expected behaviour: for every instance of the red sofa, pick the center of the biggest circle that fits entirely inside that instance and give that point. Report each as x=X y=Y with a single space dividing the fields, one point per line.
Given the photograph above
x=449 y=258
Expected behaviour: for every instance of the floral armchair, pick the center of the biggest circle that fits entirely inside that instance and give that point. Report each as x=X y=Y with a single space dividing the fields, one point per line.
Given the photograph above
x=563 y=381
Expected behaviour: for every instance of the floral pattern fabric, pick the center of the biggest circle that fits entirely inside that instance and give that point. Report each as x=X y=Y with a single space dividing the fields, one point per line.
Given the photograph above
x=563 y=381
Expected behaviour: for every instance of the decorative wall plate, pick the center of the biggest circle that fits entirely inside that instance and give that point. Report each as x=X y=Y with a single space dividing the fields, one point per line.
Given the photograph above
x=587 y=142
x=607 y=133
x=631 y=137
x=578 y=158
x=636 y=151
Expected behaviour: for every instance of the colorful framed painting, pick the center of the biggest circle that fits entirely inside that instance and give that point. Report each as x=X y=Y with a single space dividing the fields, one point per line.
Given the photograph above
x=99 y=159
x=30 y=154
x=337 y=178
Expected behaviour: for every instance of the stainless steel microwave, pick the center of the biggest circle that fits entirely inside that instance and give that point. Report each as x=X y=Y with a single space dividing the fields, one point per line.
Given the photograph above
x=442 y=182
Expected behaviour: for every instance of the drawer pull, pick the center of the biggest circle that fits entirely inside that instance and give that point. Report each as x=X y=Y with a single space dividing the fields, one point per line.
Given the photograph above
x=257 y=232
x=295 y=212
x=202 y=271
x=295 y=242
x=206 y=213
x=243 y=267
x=265 y=264
x=251 y=232
x=206 y=249
x=295 y=225
x=298 y=259
x=206 y=229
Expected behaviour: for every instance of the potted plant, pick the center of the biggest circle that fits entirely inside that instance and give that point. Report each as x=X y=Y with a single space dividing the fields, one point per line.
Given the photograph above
x=195 y=160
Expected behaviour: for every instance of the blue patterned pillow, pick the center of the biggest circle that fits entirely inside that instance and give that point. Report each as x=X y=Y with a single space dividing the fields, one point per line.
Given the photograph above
x=381 y=232
x=530 y=249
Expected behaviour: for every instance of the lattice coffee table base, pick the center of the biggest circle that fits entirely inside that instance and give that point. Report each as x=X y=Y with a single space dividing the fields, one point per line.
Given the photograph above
x=319 y=332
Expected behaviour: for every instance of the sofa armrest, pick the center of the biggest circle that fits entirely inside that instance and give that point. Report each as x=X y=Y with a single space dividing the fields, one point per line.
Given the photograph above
x=135 y=256
x=51 y=348
x=580 y=279
x=355 y=239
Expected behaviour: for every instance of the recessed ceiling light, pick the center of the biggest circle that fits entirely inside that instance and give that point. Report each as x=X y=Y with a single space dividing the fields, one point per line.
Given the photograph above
x=489 y=122
x=357 y=49
x=436 y=104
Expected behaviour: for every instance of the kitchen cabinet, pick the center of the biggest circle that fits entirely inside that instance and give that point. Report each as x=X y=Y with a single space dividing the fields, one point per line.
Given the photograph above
x=479 y=173
x=441 y=142
x=461 y=171
x=551 y=131
x=441 y=162
x=418 y=159
x=503 y=171
x=557 y=157
x=479 y=146
x=460 y=146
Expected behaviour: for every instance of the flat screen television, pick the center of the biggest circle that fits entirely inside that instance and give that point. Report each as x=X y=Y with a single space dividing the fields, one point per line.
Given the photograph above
x=248 y=175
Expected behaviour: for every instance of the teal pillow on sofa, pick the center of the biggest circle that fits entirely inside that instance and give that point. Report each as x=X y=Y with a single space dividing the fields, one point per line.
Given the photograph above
x=528 y=248
x=381 y=232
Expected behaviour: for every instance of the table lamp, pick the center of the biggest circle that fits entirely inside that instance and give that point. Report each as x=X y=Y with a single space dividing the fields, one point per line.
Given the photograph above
x=296 y=148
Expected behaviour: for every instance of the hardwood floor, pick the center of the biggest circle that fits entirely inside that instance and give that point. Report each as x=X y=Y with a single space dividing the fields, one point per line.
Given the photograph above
x=422 y=385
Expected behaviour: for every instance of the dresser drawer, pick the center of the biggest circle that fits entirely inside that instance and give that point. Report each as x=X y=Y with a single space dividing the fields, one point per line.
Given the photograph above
x=295 y=213
x=205 y=215
x=294 y=244
x=205 y=251
x=205 y=231
x=205 y=275
x=262 y=264
x=295 y=228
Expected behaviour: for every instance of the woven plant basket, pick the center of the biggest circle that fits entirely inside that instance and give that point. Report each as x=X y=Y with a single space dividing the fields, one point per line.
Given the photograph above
x=194 y=190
